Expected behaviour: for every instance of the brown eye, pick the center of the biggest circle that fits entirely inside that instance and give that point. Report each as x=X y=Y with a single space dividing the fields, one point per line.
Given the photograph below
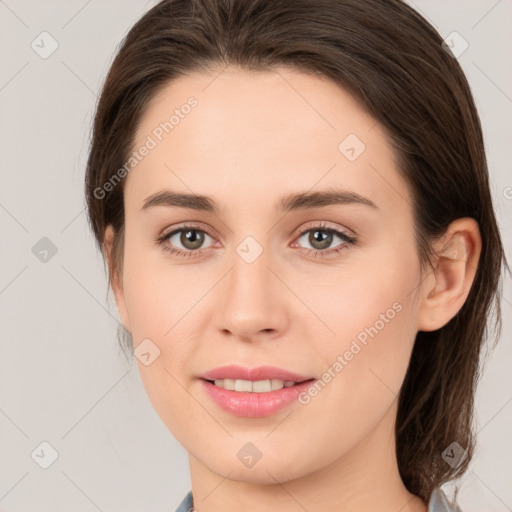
x=321 y=238
x=186 y=240
x=191 y=239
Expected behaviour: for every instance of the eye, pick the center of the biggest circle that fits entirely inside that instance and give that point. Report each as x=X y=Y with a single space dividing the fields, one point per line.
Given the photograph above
x=191 y=238
x=321 y=237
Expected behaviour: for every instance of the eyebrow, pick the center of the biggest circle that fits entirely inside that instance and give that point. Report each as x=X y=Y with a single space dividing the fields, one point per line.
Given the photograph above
x=291 y=202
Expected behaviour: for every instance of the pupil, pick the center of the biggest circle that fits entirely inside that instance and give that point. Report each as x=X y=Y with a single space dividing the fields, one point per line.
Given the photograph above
x=324 y=239
x=192 y=237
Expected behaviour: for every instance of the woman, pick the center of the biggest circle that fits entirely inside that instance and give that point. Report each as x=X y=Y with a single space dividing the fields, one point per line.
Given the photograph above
x=292 y=199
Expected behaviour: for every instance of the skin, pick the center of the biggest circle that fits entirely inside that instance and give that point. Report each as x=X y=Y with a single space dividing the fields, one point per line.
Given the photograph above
x=253 y=138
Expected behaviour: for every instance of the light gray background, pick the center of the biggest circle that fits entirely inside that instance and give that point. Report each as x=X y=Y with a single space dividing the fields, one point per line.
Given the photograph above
x=63 y=378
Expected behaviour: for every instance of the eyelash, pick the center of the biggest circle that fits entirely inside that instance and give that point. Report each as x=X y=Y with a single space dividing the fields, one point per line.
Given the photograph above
x=347 y=239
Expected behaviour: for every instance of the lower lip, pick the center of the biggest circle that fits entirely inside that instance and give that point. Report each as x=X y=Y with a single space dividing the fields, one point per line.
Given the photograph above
x=254 y=405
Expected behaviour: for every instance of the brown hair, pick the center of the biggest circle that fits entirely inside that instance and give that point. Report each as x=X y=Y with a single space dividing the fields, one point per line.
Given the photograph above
x=394 y=64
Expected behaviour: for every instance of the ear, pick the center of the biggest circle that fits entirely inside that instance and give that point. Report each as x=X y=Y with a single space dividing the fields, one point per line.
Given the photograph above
x=446 y=288
x=116 y=281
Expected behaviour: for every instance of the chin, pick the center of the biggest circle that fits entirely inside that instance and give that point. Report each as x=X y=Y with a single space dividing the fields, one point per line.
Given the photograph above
x=267 y=470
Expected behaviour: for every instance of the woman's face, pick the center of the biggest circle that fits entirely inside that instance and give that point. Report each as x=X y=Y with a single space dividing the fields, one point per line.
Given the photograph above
x=261 y=281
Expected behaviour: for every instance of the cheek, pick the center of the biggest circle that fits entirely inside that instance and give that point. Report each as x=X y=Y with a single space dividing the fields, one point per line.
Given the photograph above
x=371 y=312
x=365 y=362
x=364 y=303
x=161 y=309
x=159 y=294
x=166 y=304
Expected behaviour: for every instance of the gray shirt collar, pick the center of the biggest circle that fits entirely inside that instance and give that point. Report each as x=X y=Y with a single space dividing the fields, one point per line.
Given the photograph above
x=438 y=503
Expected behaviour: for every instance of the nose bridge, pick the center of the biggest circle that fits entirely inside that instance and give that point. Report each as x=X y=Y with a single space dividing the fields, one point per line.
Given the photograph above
x=251 y=299
x=250 y=279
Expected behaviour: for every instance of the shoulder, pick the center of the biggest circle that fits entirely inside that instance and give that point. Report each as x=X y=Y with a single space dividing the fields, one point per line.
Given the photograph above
x=186 y=504
x=439 y=503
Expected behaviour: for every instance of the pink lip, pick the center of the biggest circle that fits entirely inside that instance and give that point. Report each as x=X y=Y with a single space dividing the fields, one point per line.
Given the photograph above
x=258 y=373
x=254 y=405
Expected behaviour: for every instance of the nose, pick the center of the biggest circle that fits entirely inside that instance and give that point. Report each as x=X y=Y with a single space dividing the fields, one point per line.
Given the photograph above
x=253 y=301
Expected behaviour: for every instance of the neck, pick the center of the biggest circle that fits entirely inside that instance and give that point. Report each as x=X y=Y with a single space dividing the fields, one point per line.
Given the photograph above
x=363 y=480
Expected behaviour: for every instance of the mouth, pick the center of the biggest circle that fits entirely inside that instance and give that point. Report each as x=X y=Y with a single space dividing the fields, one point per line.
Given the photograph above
x=258 y=402
x=256 y=375
x=255 y=386
x=253 y=392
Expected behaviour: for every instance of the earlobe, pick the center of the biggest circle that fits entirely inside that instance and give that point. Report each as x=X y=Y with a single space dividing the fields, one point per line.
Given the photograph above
x=455 y=264
x=116 y=281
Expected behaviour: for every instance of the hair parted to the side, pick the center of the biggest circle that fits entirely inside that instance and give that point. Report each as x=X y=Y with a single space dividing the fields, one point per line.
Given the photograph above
x=393 y=63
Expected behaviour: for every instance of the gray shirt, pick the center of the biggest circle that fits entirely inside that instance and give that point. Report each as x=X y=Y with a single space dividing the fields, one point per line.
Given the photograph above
x=438 y=503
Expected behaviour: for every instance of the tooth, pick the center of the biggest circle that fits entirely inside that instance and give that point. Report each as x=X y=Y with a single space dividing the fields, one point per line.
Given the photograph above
x=258 y=386
x=261 y=386
x=277 y=384
x=243 y=385
x=229 y=384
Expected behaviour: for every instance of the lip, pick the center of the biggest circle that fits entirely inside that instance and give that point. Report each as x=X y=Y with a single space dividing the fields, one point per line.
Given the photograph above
x=254 y=405
x=257 y=373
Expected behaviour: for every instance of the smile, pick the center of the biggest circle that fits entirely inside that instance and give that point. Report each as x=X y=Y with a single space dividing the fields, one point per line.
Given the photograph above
x=257 y=386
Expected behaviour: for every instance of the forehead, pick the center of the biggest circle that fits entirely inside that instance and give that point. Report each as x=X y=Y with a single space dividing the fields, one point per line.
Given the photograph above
x=258 y=133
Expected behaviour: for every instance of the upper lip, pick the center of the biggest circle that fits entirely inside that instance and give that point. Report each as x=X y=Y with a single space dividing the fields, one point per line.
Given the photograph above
x=258 y=373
